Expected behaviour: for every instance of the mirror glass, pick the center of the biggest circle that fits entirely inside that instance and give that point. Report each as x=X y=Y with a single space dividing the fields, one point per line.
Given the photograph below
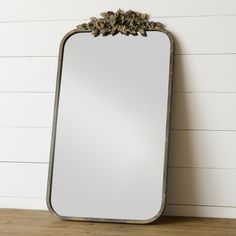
x=110 y=131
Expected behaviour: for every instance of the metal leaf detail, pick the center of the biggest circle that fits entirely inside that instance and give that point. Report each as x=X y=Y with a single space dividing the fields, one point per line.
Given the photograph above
x=124 y=22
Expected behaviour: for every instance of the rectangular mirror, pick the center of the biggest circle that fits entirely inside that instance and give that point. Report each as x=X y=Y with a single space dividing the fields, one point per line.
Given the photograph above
x=111 y=124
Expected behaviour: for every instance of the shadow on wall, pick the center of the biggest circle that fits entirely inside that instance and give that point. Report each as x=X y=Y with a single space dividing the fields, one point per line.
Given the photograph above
x=182 y=186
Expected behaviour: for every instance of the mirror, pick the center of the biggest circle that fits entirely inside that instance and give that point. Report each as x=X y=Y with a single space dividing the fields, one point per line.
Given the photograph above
x=110 y=131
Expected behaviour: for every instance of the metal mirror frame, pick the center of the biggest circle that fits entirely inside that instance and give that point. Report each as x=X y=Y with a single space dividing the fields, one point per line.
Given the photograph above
x=54 y=129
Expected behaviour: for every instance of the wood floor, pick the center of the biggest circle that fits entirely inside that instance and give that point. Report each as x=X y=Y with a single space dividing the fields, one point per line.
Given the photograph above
x=42 y=223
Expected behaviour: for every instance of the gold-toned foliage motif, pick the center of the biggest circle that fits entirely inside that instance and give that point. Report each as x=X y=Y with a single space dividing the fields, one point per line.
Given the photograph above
x=129 y=22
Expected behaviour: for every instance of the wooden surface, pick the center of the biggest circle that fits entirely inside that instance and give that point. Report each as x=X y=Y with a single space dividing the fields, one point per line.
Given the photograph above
x=29 y=222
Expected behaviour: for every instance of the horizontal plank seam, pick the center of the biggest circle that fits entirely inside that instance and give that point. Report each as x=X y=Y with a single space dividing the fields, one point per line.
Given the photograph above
x=87 y=19
x=176 y=54
x=175 y=92
x=172 y=129
x=21 y=197
x=200 y=130
x=200 y=205
x=169 y=167
x=218 y=130
x=212 y=92
x=24 y=162
x=25 y=127
x=201 y=167
x=46 y=92
x=151 y=18
x=37 y=56
x=205 y=54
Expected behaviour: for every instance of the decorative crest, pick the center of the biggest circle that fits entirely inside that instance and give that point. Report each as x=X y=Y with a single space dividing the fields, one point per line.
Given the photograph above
x=112 y=23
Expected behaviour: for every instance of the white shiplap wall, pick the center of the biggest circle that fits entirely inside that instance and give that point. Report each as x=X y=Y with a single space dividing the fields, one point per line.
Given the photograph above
x=202 y=166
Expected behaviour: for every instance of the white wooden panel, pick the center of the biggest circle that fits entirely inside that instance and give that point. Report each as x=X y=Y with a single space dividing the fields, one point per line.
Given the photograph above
x=33 y=38
x=23 y=180
x=25 y=144
x=28 y=74
x=203 y=35
x=74 y=9
x=210 y=111
x=200 y=211
x=23 y=203
x=203 y=149
x=26 y=109
x=205 y=73
x=211 y=187
x=42 y=38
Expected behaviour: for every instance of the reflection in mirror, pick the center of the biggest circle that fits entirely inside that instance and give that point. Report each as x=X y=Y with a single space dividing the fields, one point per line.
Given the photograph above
x=109 y=146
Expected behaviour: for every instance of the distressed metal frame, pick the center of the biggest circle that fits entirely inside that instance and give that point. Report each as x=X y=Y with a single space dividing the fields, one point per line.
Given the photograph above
x=54 y=129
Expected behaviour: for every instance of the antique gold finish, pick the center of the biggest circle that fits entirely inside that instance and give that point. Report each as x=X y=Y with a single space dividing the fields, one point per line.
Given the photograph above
x=129 y=22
